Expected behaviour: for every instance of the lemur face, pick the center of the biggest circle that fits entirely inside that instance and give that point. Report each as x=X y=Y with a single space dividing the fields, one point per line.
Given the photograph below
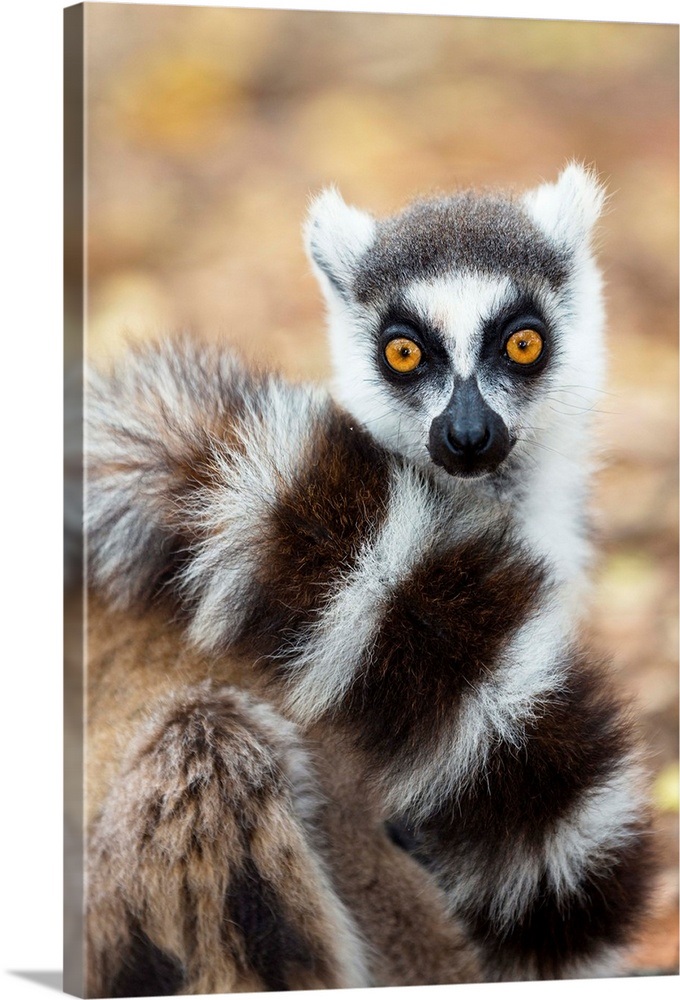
x=460 y=326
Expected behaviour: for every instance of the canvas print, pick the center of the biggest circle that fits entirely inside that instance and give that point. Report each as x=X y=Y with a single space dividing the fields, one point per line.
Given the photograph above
x=371 y=500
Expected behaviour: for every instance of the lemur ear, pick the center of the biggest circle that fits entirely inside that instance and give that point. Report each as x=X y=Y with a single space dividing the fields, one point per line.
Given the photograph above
x=336 y=236
x=567 y=210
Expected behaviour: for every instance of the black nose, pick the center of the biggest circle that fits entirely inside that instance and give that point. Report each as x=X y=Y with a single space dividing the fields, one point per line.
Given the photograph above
x=469 y=438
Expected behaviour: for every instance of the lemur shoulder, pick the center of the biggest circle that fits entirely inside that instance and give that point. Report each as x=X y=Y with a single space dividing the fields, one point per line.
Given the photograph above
x=318 y=619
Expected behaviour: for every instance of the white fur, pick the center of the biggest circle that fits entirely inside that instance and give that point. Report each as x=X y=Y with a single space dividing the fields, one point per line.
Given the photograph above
x=568 y=209
x=148 y=401
x=336 y=236
x=360 y=389
x=250 y=481
x=457 y=306
x=559 y=434
x=597 y=826
x=145 y=418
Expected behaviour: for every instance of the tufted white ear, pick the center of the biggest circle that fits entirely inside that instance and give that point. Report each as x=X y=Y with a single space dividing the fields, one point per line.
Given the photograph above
x=567 y=210
x=336 y=236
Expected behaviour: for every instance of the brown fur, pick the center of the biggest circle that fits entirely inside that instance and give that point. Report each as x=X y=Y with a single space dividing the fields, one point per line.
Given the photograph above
x=316 y=531
x=190 y=791
x=399 y=909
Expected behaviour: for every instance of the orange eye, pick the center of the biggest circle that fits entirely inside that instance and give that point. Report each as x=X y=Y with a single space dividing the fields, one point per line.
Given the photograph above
x=403 y=355
x=524 y=347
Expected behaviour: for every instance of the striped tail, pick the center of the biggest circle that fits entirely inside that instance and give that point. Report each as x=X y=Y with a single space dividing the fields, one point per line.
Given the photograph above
x=545 y=847
x=202 y=875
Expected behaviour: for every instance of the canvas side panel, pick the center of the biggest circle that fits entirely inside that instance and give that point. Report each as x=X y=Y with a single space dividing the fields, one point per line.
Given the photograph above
x=73 y=54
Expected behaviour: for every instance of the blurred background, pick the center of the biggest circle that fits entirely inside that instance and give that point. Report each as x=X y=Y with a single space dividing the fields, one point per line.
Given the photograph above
x=209 y=128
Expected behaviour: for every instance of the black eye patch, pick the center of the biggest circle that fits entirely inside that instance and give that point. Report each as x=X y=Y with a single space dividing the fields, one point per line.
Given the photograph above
x=398 y=321
x=524 y=313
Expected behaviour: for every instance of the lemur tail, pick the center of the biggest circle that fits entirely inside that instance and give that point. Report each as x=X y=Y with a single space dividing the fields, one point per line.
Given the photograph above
x=201 y=877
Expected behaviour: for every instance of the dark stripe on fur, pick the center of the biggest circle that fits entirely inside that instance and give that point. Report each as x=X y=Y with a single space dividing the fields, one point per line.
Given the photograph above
x=146 y=971
x=577 y=738
x=610 y=903
x=315 y=534
x=441 y=634
x=272 y=946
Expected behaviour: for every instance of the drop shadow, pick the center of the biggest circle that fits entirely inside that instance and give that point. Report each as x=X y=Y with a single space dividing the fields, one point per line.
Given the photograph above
x=52 y=980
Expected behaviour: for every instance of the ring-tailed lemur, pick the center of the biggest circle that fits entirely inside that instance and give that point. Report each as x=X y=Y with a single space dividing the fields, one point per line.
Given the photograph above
x=398 y=577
